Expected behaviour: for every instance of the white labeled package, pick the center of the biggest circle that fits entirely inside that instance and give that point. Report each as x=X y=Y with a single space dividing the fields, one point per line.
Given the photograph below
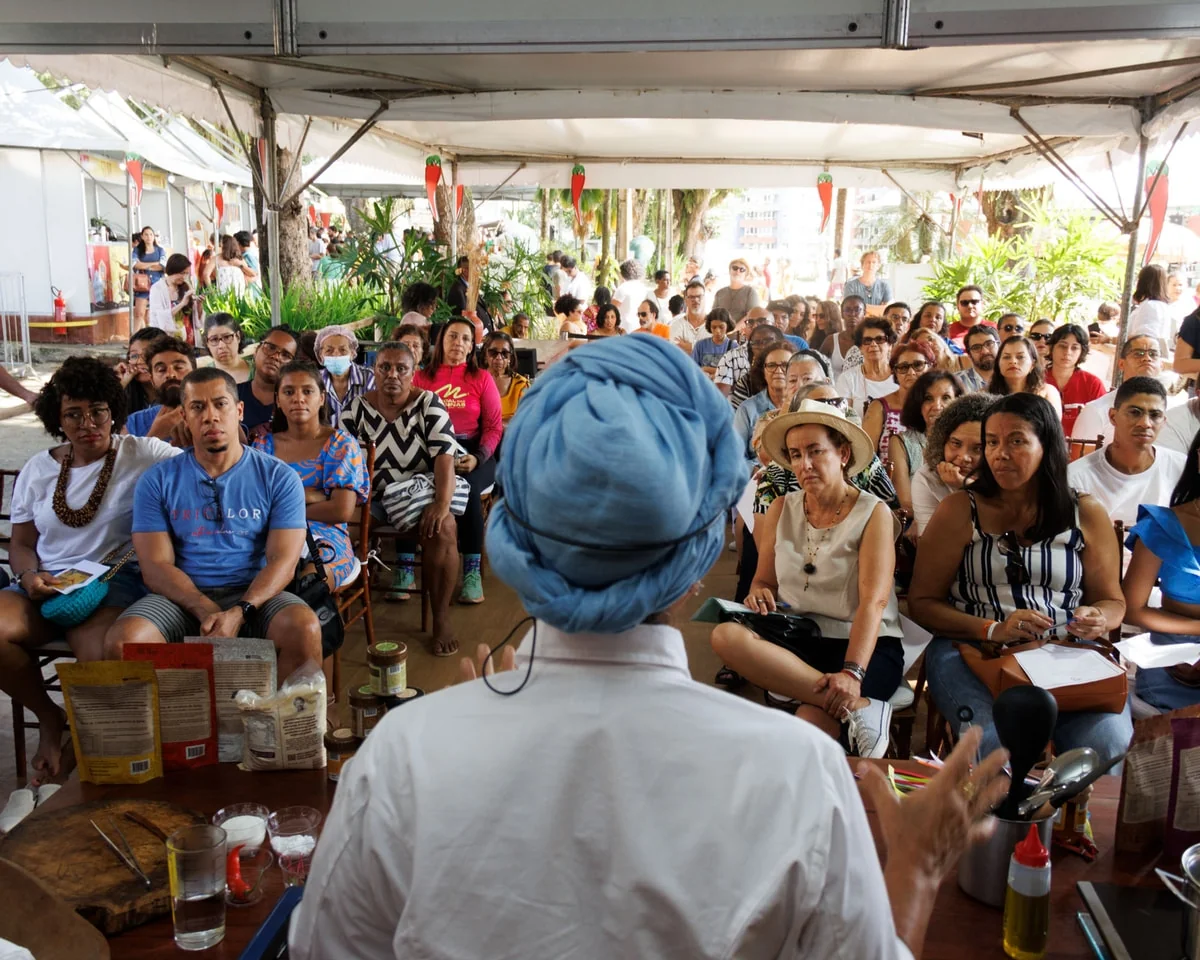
x=239 y=663
x=286 y=731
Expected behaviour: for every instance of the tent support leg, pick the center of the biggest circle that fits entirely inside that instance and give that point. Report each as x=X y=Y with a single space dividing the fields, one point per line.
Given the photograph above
x=1131 y=259
x=129 y=233
x=453 y=213
x=358 y=134
x=271 y=209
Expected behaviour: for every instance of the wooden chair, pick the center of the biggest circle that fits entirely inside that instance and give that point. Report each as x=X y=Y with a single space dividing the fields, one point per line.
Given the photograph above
x=1081 y=448
x=8 y=482
x=358 y=591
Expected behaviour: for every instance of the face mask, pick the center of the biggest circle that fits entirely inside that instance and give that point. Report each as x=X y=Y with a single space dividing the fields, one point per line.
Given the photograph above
x=338 y=366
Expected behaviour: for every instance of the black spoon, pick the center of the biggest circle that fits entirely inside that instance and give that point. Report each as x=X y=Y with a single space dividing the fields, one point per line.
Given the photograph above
x=1024 y=719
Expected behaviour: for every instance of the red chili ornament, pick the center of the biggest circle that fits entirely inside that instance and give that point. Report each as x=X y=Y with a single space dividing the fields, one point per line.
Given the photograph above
x=577 y=179
x=433 y=176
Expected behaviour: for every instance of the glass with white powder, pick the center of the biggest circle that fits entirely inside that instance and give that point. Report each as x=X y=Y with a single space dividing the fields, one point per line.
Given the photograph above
x=294 y=832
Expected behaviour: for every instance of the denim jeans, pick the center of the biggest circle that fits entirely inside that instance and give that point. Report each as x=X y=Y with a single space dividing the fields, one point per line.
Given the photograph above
x=1158 y=688
x=952 y=685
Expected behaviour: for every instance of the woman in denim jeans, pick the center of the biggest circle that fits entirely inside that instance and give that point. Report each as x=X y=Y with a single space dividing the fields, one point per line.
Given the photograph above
x=1016 y=557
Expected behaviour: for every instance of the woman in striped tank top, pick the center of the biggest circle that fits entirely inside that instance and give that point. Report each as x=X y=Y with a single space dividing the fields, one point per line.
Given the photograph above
x=1018 y=556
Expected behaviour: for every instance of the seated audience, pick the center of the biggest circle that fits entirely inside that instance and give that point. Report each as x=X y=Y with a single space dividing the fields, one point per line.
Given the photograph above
x=825 y=317
x=329 y=462
x=923 y=406
x=690 y=328
x=71 y=503
x=868 y=285
x=1010 y=325
x=608 y=321
x=981 y=343
x=413 y=433
x=969 y=300
x=416 y=339
x=770 y=375
x=881 y=421
x=600 y=297
x=1166 y=553
x=1019 y=371
x=763 y=338
x=419 y=302
x=1069 y=346
x=257 y=395
x=473 y=402
x=1151 y=313
x=1140 y=357
x=171 y=298
x=571 y=310
x=1018 y=556
x=1040 y=334
x=224 y=339
x=170 y=360
x=648 y=320
x=611 y=691
x=806 y=367
x=873 y=378
x=1183 y=423
x=1133 y=469
x=135 y=374
x=344 y=379
x=708 y=351
x=798 y=316
x=735 y=363
x=218 y=532
x=827 y=552
x=952 y=453
x=519 y=328
x=931 y=315
x=500 y=354
x=840 y=346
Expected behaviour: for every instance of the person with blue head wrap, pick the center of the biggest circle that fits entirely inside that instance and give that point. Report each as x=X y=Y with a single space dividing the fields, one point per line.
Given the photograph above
x=614 y=807
x=618 y=472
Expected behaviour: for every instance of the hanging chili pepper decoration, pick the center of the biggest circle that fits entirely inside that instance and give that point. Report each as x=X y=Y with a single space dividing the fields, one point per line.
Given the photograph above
x=1156 y=194
x=312 y=215
x=458 y=198
x=133 y=164
x=825 y=192
x=219 y=203
x=433 y=176
x=577 y=180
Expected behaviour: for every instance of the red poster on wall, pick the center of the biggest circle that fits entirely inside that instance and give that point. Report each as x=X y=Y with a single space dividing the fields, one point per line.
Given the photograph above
x=99 y=275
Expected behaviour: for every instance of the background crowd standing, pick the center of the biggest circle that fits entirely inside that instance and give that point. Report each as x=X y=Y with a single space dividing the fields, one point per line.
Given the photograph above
x=867 y=429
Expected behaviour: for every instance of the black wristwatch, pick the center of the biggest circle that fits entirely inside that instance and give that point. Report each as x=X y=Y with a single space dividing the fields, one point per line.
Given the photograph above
x=248 y=609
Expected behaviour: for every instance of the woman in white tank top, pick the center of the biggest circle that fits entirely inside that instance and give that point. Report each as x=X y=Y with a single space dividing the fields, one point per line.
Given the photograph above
x=826 y=552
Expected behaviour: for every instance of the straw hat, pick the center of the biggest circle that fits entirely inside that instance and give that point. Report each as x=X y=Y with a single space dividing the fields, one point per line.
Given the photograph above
x=774 y=439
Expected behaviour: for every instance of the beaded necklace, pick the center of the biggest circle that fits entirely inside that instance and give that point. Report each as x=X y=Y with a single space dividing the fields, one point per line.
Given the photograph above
x=87 y=513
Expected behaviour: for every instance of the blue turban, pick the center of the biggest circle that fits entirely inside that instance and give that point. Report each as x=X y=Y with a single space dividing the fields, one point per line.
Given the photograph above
x=622 y=444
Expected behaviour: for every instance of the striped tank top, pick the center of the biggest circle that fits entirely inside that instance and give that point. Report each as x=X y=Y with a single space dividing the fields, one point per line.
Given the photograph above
x=990 y=583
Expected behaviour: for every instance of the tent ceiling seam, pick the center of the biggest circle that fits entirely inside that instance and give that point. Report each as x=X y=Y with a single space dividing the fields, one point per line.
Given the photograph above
x=352 y=72
x=1059 y=78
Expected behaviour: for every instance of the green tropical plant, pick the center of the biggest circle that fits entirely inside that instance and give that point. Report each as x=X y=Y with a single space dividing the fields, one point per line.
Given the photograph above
x=1056 y=268
x=300 y=307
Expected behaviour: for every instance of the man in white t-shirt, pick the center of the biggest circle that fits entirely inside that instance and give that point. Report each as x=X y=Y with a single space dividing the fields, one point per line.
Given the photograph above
x=630 y=293
x=839 y=273
x=1141 y=357
x=316 y=249
x=1183 y=422
x=688 y=328
x=578 y=285
x=661 y=294
x=1131 y=470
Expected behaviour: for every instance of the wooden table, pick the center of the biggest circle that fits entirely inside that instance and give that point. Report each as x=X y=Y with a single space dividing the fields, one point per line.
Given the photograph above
x=960 y=929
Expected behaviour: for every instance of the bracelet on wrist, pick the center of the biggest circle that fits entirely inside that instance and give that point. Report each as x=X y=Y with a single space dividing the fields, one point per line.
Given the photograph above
x=985 y=631
x=855 y=670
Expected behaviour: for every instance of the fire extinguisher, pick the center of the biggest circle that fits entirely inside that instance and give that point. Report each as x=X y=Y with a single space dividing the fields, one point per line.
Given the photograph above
x=60 y=306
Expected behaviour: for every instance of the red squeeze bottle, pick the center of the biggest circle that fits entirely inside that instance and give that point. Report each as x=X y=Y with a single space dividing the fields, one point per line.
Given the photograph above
x=1027 y=903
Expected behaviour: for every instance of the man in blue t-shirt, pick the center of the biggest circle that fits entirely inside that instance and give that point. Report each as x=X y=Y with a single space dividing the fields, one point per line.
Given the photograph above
x=170 y=359
x=218 y=535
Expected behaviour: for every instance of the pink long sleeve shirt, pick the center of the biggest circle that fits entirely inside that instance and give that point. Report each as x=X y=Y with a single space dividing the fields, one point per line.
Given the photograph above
x=472 y=401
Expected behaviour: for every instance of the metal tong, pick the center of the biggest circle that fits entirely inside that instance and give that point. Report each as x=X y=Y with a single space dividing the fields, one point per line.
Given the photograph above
x=126 y=856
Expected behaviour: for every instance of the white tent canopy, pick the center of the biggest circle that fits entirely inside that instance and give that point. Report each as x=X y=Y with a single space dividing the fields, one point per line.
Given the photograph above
x=32 y=116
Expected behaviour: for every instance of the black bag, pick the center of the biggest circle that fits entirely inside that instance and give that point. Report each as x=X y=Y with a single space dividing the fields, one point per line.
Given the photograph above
x=788 y=630
x=313 y=590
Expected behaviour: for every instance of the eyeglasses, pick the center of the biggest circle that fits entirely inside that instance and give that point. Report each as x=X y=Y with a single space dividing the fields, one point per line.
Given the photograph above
x=969 y=303
x=221 y=338
x=642 y=315
x=213 y=512
x=775 y=367
x=98 y=416
x=874 y=341
x=737 y=269
x=271 y=350
x=1039 y=337
x=914 y=366
x=1014 y=561
x=1144 y=354
x=988 y=344
x=499 y=353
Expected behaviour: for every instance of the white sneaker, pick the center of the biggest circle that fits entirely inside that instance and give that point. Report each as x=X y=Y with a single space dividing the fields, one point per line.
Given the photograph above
x=20 y=805
x=870 y=729
x=46 y=791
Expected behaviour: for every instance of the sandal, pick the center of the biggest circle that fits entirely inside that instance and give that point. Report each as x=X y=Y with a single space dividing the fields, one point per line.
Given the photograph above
x=729 y=679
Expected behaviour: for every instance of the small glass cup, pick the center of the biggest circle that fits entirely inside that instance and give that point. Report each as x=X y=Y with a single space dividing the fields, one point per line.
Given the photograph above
x=294 y=832
x=196 y=866
x=242 y=830
x=253 y=864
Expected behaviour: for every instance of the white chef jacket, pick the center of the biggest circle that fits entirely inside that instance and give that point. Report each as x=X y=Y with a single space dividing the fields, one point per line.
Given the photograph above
x=612 y=808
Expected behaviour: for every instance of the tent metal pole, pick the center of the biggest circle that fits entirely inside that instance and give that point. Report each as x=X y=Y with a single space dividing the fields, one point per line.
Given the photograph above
x=271 y=210
x=669 y=229
x=358 y=134
x=241 y=143
x=895 y=24
x=453 y=213
x=1131 y=259
x=129 y=234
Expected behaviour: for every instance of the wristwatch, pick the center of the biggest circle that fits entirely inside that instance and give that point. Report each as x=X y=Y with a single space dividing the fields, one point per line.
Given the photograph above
x=248 y=609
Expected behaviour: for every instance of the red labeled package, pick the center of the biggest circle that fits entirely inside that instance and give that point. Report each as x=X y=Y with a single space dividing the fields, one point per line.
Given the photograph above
x=186 y=702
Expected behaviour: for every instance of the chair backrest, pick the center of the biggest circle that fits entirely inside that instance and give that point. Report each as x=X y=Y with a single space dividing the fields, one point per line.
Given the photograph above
x=8 y=483
x=363 y=547
x=1081 y=448
x=526 y=362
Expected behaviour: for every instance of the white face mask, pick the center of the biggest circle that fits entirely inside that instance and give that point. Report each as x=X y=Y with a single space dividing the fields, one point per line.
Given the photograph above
x=338 y=366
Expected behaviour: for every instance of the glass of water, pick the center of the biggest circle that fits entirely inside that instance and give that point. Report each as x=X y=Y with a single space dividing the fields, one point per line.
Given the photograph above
x=196 y=865
x=293 y=833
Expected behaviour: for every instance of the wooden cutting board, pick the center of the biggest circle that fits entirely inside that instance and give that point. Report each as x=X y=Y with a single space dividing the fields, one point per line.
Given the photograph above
x=63 y=850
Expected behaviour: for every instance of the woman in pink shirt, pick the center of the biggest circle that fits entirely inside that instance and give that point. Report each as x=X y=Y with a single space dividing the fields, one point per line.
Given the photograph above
x=470 y=396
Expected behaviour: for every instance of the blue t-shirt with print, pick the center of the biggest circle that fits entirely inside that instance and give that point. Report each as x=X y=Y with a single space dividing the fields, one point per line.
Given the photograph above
x=139 y=422
x=708 y=353
x=225 y=547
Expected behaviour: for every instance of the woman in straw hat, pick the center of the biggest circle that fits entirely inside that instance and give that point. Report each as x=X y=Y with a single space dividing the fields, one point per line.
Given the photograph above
x=826 y=551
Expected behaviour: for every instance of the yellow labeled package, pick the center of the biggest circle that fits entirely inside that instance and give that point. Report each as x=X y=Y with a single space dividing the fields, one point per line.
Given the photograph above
x=112 y=706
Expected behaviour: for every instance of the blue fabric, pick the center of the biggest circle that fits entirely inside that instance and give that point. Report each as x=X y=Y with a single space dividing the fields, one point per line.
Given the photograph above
x=1156 y=685
x=253 y=412
x=257 y=495
x=707 y=353
x=744 y=419
x=626 y=442
x=1160 y=530
x=953 y=685
x=138 y=423
x=798 y=342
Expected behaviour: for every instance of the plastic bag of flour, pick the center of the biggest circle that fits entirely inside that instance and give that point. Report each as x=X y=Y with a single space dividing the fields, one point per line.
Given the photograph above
x=285 y=731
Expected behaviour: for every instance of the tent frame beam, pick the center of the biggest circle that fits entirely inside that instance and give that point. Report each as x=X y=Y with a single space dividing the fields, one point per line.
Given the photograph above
x=308 y=64
x=357 y=135
x=1056 y=78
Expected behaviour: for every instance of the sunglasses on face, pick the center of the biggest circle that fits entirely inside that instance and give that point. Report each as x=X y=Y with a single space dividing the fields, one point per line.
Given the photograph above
x=1040 y=337
x=915 y=366
x=499 y=353
x=737 y=269
x=642 y=315
x=969 y=303
x=873 y=341
x=1144 y=354
x=839 y=402
x=1011 y=328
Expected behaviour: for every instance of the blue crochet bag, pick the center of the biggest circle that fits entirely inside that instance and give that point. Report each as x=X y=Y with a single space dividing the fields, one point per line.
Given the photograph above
x=71 y=609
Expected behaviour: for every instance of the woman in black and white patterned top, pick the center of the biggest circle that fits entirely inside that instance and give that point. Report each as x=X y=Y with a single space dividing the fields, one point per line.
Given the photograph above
x=412 y=434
